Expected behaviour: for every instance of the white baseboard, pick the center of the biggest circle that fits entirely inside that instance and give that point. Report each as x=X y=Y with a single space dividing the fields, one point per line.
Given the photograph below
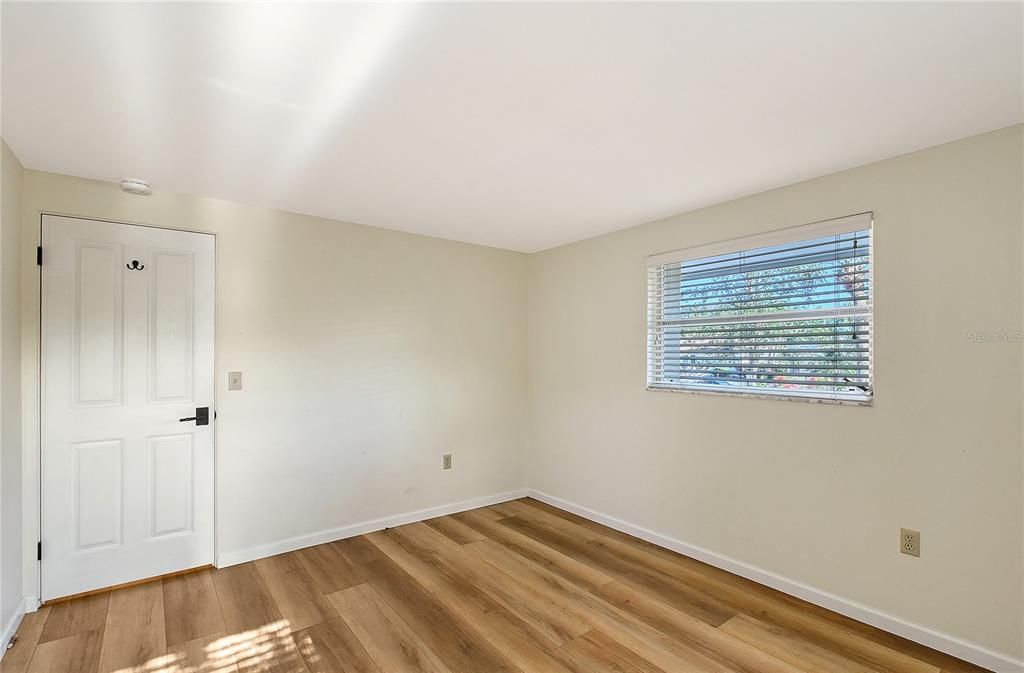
x=961 y=649
x=231 y=558
x=12 y=627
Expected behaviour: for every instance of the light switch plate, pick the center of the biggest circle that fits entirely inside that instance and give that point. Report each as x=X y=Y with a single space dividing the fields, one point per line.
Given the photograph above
x=234 y=380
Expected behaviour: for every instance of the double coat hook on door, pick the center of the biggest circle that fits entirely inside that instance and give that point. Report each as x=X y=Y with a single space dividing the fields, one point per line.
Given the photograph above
x=135 y=266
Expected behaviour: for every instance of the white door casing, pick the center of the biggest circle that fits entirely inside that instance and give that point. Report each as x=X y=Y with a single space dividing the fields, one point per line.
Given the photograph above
x=127 y=489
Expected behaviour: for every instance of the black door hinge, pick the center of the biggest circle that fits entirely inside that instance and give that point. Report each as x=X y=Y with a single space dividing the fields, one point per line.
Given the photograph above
x=39 y=551
x=39 y=255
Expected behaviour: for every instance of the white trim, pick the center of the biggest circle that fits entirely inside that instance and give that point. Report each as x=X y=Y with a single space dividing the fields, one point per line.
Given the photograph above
x=12 y=626
x=789 y=396
x=40 y=397
x=951 y=645
x=839 y=225
x=330 y=535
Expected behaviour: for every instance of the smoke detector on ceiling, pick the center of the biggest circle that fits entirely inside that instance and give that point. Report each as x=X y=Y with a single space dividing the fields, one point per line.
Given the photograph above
x=136 y=186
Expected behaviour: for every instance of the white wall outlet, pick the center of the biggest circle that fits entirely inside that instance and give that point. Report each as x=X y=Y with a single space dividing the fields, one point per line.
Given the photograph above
x=910 y=542
x=446 y=461
x=234 y=380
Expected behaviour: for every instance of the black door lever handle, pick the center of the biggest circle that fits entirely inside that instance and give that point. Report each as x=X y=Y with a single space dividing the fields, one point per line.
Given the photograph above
x=202 y=416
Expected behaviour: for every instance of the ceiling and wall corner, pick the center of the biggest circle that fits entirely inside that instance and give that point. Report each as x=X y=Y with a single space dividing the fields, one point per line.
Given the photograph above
x=514 y=125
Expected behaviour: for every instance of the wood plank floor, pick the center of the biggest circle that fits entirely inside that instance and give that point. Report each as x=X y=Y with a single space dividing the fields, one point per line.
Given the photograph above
x=519 y=587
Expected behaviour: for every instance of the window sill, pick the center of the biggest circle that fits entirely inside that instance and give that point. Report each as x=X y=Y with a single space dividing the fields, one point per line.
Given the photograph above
x=785 y=397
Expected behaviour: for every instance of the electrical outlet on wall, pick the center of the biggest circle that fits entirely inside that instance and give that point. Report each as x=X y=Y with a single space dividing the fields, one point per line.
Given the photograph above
x=910 y=542
x=446 y=461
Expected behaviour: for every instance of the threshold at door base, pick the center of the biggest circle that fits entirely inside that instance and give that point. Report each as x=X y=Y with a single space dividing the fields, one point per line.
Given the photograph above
x=125 y=585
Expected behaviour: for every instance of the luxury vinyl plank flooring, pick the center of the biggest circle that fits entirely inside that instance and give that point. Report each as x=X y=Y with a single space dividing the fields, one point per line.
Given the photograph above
x=458 y=644
x=331 y=647
x=88 y=613
x=535 y=551
x=520 y=587
x=134 y=633
x=79 y=653
x=390 y=641
x=17 y=658
x=455 y=530
x=329 y=568
x=191 y=608
x=245 y=601
x=211 y=653
x=293 y=590
x=601 y=654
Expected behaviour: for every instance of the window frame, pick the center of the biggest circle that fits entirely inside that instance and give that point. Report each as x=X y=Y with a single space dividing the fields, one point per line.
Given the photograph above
x=794 y=234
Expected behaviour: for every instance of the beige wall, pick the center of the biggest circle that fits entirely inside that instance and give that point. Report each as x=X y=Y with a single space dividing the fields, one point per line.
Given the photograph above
x=11 y=174
x=366 y=355
x=817 y=493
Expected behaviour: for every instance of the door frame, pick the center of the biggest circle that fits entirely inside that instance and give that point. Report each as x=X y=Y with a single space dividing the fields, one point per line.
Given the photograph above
x=40 y=392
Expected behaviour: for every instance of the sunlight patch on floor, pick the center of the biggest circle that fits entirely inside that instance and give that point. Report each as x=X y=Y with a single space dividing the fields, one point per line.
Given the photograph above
x=269 y=646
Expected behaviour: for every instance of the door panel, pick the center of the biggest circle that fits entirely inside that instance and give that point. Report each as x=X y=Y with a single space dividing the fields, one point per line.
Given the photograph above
x=127 y=489
x=171 y=337
x=171 y=484
x=98 y=321
x=97 y=493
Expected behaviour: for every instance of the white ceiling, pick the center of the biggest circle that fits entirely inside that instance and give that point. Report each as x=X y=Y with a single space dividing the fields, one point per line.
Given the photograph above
x=521 y=126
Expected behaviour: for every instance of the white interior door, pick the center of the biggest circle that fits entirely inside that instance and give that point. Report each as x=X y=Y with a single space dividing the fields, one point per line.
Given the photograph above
x=127 y=487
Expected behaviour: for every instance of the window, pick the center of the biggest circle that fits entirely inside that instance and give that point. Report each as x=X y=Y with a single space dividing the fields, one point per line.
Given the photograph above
x=782 y=314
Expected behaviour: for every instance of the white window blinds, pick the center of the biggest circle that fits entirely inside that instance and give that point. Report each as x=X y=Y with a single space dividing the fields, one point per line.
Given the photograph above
x=787 y=313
